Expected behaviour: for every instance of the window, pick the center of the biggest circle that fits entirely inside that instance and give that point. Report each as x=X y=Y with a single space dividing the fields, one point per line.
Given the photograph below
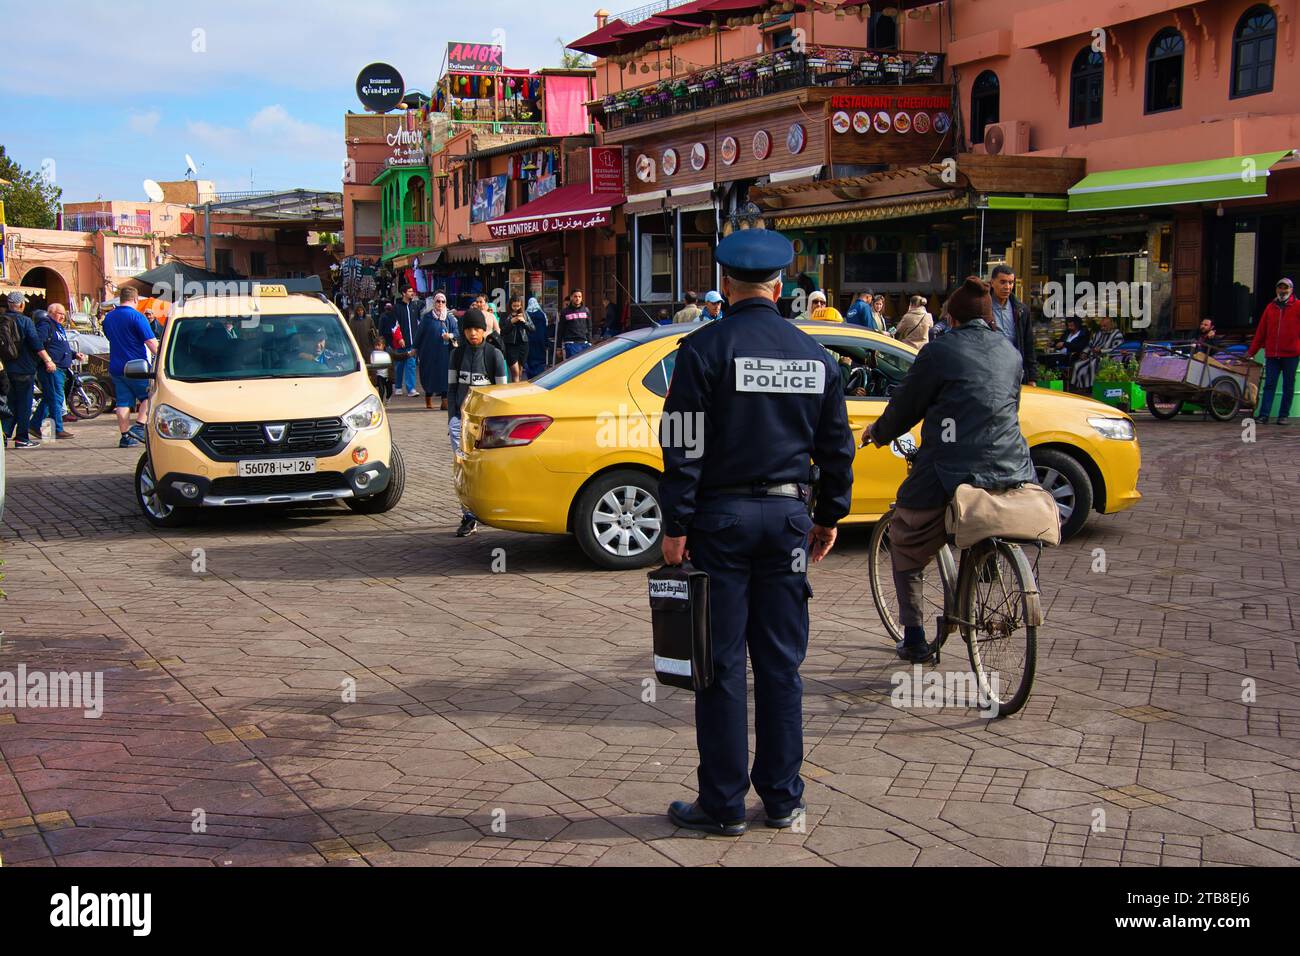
x=1165 y=71
x=257 y=263
x=571 y=368
x=983 y=104
x=657 y=379
x=128 y=260
x=1085 y=87
x=224 y=262
x=281 y=346
x=655 y=256
x=1254 y=47
x=882 y=31
x=867 y=370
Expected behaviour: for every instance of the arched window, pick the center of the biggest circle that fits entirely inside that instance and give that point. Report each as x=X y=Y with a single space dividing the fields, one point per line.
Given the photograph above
x=1086 y=87
x=1254 y=46
x=1165 y=71
x=983 y=104
x=883 y=31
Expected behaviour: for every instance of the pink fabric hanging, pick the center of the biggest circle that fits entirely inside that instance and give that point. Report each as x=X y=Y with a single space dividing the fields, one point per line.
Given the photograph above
x=565 y=114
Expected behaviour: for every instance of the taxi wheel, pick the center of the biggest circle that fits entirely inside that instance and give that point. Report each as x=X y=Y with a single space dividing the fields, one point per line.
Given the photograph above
x=156 y=511
x=387 y=499
x=1067 y=482
x=618 y=520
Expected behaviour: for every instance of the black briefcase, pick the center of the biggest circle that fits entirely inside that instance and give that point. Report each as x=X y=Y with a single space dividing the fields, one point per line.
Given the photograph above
x=679 y=613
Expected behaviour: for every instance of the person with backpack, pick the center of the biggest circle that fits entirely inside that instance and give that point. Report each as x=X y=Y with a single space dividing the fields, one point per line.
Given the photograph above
x=474 y=363
x=22 y=353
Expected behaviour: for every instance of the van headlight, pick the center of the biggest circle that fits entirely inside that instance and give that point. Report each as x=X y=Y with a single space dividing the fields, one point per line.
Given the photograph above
x=1120 y=429
x=366 y=415
x=176 y=424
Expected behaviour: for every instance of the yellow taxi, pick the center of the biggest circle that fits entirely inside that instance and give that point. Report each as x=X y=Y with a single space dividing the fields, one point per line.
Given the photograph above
x=576 y=450
x=263 y=397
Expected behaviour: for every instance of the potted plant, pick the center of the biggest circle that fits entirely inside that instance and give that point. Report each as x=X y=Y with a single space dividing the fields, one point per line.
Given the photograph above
x=712 y=80
x=1112 y=384
x=783 y=62
x=1050 y=378
x=612 y=104
x=731 y=74
x=695 y=83
x=748 y=72
x=763 y=66
x=816 y=57
x=842 y=59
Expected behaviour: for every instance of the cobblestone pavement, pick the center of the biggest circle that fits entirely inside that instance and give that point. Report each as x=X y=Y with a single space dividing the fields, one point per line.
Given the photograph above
x=481 y=694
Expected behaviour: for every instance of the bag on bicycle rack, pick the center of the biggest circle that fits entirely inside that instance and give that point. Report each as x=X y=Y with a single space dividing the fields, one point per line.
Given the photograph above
x=679 y=614
x=1026 y=513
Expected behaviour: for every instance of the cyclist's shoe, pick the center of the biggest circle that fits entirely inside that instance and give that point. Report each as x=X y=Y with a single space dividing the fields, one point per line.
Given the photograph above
x=914 y=647
x=689 y=816
x=468 y=525
x=786 y=820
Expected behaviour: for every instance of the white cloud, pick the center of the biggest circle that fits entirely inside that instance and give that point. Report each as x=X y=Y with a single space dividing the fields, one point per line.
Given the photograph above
x=145 y=123
x=270 y=130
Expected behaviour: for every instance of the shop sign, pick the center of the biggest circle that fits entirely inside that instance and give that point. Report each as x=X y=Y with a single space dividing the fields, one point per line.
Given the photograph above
x=493 y=255
x=547 y=224
x=699 y=157
x=408 y=148
x=380 y=87
x=890 y=102
x=670 y=162
x=762 y=144
x=130 y=229
x=474 y=58
x=606 y=169
x=730 y=150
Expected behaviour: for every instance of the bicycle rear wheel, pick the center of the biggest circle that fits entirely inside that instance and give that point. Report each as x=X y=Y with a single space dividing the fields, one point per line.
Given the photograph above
x=998 y=605
x=880 y=571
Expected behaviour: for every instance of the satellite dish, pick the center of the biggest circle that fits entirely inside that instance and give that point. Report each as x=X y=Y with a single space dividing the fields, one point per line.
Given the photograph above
x=190 y=165
x=153 y=191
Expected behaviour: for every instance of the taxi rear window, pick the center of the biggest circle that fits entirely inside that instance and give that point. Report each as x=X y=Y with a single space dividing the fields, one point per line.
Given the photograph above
x=572 y=368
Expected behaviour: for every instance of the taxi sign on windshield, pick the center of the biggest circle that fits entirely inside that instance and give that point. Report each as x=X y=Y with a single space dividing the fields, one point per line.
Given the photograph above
x=270 y=290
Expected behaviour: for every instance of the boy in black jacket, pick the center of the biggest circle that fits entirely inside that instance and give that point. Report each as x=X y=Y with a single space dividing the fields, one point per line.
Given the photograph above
x=474 y=363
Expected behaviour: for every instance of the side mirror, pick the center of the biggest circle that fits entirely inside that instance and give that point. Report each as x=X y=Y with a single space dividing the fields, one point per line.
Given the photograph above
x=380 y=359
x=138 y=368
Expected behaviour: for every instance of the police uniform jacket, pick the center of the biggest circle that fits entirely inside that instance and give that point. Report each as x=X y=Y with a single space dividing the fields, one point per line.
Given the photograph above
x=769 y=398
x=971 y=376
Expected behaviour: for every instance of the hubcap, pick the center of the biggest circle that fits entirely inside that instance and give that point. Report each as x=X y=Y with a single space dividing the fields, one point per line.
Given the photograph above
x=1060 y=488
x=153 y=503
x=626 y=521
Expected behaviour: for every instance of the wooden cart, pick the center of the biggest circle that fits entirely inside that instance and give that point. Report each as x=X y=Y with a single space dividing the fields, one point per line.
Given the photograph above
x=1219 y=381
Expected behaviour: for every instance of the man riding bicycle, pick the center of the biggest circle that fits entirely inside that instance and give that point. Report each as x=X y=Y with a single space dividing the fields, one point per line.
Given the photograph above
x=965 y=385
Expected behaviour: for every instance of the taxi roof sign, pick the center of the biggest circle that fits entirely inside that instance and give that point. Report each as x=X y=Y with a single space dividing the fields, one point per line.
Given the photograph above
x=270 y=290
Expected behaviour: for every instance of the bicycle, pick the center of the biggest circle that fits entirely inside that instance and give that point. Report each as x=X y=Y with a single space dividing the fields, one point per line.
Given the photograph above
x=989 y=593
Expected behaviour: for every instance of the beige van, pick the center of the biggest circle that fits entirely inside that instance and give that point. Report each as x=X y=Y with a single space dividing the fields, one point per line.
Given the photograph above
x=263 y=399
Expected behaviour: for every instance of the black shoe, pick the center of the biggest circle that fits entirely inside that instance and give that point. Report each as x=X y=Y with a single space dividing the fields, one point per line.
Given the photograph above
x=786 y=821
x=128 y=441
x=1262 y=420
x=27 y=444
x=914 y=652
x=467 y=527
x=691 y=817
x=1282 y=420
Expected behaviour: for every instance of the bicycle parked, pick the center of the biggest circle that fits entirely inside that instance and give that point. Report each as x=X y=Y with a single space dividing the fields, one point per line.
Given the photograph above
x=988 y=592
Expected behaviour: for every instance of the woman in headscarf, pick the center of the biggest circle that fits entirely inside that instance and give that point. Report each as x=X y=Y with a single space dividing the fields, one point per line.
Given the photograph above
x=1075 y=345
x=537 y=340
x=433 y=343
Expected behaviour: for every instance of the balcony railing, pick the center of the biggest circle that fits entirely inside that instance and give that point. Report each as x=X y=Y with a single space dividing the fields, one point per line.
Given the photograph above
x=761 y=76
x=407 y=237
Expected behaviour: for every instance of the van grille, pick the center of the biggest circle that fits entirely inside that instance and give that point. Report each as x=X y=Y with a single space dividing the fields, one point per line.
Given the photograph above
x=277 y=484
x=227 y=441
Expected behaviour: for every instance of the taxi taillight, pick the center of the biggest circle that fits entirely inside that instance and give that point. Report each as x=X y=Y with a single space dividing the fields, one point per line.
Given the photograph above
x=502 y=431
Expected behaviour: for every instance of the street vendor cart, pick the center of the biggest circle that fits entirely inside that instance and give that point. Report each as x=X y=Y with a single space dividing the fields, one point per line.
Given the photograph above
x=1221 y=382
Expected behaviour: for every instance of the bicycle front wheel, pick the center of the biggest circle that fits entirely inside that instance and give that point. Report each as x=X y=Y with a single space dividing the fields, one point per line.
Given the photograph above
x=998 y=606
x=880 y=571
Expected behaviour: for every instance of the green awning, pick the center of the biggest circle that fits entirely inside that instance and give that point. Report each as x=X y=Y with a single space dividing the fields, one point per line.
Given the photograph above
x=1211 y=180
x=1028 y=203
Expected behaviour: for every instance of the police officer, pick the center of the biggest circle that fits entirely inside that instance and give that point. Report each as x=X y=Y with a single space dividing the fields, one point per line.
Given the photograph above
x=737 y=507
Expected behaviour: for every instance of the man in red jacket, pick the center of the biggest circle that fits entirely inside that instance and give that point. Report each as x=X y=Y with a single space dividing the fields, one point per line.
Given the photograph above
x=1279 y=336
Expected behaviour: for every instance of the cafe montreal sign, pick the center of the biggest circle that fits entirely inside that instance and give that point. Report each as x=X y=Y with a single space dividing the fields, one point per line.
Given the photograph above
x=542 y=225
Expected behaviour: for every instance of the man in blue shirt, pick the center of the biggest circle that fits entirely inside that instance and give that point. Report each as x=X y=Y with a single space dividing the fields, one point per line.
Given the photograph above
x=51 y=330
x=129 y=337
x=860 y=311
x=21 y=370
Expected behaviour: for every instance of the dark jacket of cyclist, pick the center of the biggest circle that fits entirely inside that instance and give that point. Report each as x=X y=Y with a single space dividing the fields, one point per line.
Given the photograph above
x=965 y=389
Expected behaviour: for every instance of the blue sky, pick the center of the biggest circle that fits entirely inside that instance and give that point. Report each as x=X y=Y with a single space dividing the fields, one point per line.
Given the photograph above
x=255 y=92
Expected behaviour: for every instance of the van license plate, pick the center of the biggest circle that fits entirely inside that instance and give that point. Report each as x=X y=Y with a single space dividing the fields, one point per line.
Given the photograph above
x=270 y=467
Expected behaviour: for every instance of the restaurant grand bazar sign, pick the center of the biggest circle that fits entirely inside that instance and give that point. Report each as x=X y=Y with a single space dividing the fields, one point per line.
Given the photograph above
x=542 y=225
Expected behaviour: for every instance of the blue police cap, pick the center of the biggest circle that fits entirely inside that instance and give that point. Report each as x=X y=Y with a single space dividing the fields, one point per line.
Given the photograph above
x=754 y=255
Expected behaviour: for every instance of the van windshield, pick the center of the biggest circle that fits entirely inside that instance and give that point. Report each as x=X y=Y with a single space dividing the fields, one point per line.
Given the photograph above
x=266 y=346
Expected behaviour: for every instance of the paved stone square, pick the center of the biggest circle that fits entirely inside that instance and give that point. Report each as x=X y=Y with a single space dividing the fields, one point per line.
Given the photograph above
x=516 y=698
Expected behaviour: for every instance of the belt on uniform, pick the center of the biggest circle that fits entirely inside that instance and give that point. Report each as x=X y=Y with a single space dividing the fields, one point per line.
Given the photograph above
x=760 y=490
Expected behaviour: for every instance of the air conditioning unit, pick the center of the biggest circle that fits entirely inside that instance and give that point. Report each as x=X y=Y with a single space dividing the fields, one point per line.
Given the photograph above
x=1008 y=139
